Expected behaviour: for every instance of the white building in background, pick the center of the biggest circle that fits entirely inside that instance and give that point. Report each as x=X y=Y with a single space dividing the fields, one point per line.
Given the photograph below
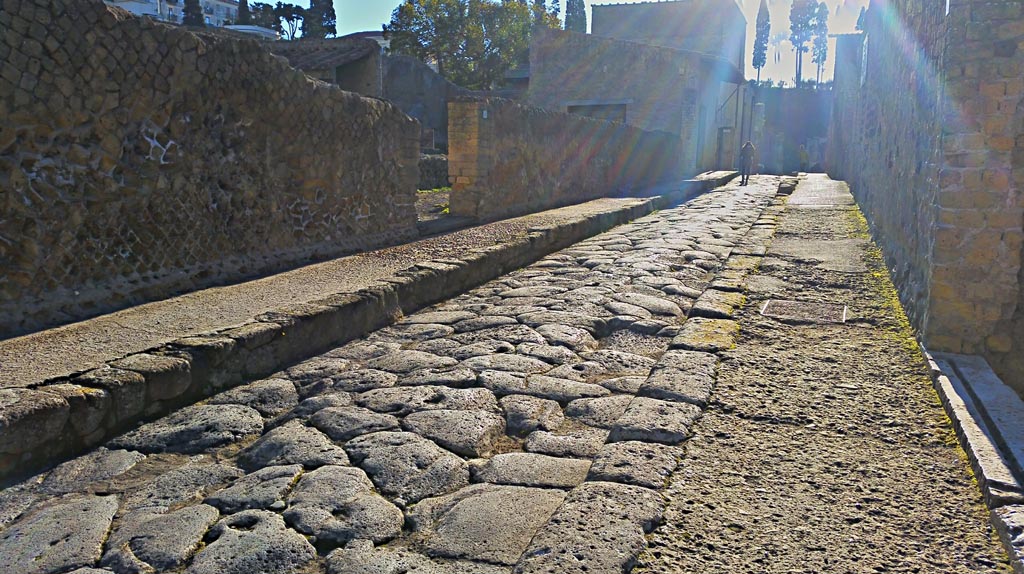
x=216 y=12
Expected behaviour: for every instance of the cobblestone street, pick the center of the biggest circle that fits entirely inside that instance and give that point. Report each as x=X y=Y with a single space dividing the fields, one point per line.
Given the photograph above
x=536 y=423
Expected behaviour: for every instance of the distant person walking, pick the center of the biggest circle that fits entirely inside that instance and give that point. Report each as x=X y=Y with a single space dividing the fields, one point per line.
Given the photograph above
x=805 y=158
x=746 y=162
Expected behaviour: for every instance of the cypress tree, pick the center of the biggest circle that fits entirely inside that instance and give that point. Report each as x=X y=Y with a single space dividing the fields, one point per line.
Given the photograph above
x=192 y=14
x=244 y=16
x=761 y=33
x=576 y=16
x=320 y=20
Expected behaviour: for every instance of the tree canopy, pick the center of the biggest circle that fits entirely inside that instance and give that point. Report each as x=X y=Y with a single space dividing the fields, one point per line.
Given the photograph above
x=290 y=17
x=761 y=32
x=473 y=42
x=320 y=20
x=244 y=15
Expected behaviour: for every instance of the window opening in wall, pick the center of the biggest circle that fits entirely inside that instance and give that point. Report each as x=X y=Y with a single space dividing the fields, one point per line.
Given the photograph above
x=607 y=112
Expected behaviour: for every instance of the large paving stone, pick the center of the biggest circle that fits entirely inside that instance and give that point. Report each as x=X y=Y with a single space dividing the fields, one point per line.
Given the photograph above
x=315 y=404
x=15 y=500
x=193 y=430
x=337 y=504
x=458 y=377
x=682 y=376
x=484 y=522
x=408 y=361
x=401 y=401
x=525 y=414
x=78 y=474
x=64 y=534
x=708 y=335
x=533 y=291
x=292 y=443
x=656 y=305
x=361 y=380
x=599 y=528
x=654 y=420
x=513 y=334
x=482 y=348
x=583 y=443
x=541 y=386
x=360 y=557
x=485 y=322
x=554 y=354
x=317 y=368
x=529 y=469
x=626 y=385
x=581 y=372
x=251 y=542
x=414 y=332
x=602 y=412
x=271 y=397
x=180 y=485
x=506 y=362
x=468 y=433
x=593 y=325
x=637 y=463
x=344 y=423
x=147 y=542
x=260 y=490
x=620 y=362
x=406 y=466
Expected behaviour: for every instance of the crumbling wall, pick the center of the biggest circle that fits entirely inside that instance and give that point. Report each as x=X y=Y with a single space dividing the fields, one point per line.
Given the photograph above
x=929 y=131
x=138 y=160
x=507 y=159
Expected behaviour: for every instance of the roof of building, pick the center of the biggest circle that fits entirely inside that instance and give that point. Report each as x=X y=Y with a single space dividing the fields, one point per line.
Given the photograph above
x=324 y=54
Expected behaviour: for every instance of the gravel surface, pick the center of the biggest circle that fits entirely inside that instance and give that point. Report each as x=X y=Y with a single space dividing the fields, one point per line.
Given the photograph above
x=825 y=448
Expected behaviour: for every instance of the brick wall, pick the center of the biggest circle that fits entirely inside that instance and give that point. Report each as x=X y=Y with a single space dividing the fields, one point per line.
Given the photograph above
x=930 y=132
x=138 y=160
x=507 y=159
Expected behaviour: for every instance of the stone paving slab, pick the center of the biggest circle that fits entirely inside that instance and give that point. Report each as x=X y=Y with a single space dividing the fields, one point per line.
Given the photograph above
x=426 y=447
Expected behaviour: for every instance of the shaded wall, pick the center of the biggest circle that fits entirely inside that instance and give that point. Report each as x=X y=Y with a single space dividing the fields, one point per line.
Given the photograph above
x=793 y=117
x=422 y=93
x=138 y=160
x=929 y=131
x=507 y=159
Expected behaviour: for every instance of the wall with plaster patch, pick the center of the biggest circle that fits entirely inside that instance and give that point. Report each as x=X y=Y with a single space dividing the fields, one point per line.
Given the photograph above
x=138 y=160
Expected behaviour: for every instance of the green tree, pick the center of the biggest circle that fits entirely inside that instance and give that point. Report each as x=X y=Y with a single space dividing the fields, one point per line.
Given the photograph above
x=472 y=42
x=290 y=17
x=801 y=30
x=192 y=14
x=819 y=51
x=244 y=15
x=263 y=15
x=576 y=16
x=762 y=30
x=320 y=20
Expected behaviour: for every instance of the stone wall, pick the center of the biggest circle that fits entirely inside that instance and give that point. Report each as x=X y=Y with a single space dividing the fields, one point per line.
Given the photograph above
x=931 y=125
x=138 y=160
x=507 y=159
x=423 y=94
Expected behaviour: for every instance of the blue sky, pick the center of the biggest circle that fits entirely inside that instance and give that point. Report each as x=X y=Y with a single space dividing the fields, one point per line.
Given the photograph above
x=359 y=15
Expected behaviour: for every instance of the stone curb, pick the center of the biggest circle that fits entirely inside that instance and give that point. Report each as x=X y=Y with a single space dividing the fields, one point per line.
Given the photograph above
x=660 y=417
x=53 y=420
x=981 y=437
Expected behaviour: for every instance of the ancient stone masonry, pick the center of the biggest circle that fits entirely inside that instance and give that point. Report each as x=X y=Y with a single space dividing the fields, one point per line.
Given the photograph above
x=928 y=129
x=508 y=159
x=137 y=160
